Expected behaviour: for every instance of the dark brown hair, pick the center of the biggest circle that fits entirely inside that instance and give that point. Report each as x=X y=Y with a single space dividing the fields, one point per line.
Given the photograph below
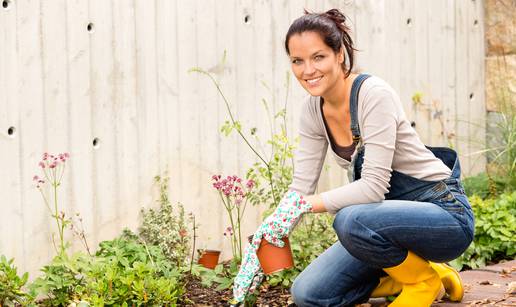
x=332 y=28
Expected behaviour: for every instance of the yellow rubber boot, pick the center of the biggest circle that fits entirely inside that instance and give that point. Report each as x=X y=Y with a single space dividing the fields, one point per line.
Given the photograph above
x=387 y=287
x=451 y=281
x=421 y=284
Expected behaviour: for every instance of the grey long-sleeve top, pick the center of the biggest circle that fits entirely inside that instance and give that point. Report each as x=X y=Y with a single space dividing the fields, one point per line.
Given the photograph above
x=390 y=144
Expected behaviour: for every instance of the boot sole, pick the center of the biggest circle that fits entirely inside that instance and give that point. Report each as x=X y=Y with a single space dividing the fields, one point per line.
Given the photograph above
x=457 y=275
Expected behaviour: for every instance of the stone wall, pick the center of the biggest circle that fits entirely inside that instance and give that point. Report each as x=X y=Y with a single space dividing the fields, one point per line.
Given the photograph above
x=500 y=33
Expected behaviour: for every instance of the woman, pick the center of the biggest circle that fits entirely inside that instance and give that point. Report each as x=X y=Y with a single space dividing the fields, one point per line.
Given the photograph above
x=405 y=205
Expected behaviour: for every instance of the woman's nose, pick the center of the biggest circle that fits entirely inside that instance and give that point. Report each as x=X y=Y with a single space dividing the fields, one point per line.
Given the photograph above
x=309 y=68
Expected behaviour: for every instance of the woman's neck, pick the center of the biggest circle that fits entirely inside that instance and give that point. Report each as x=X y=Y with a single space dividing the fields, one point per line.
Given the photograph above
x=339 y=94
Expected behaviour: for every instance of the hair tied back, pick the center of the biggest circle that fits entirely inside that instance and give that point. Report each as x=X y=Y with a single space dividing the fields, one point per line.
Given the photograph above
x=336 y=16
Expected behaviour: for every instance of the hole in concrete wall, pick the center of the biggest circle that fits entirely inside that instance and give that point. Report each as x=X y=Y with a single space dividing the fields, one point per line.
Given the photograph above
x=413 y=124
x=247 y=19
x=6 y=4
x=471 y=96
x=11 y=131
x=91 y=27
x=409 y=22
x=96 y=143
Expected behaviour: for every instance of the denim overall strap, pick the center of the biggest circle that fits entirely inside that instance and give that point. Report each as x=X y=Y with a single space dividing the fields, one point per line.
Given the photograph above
x=402 y=187
x=353 y=106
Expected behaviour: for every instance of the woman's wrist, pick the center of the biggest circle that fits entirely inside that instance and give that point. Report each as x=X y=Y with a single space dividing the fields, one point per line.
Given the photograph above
x=316 y=202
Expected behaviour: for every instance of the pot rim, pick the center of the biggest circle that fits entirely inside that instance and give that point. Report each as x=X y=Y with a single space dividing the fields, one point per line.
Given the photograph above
x=211 y=251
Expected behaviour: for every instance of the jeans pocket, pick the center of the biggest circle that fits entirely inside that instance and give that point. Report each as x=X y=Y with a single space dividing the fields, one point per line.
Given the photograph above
x=455 y=207
x=450 y=203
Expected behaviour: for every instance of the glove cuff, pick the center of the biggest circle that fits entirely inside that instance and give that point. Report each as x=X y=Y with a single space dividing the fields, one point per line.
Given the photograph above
x=300 y=202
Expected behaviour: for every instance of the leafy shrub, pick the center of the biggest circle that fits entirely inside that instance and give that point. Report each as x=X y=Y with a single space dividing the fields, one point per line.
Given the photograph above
x=222 y=275
x=495 y=231
x=11 y=292
x=61 y=279
x=273 y=178
x=501 y=132
x=167 y=226
x=124 y=271
x=484 y=185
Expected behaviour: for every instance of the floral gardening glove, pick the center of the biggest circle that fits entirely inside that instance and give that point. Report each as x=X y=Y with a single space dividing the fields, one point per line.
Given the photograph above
x=273 y=229
x=286 y=216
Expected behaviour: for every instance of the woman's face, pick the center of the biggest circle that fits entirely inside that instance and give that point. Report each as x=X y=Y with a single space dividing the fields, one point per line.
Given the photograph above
x=314 y=64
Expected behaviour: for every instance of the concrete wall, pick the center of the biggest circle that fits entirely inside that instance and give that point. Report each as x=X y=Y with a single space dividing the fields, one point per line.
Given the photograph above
x=124 y=81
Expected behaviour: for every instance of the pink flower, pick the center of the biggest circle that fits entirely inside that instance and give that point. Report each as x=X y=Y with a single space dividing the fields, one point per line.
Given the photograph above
x=249 y=184
x=228 y=231
x=35 y=178
x=53 y=165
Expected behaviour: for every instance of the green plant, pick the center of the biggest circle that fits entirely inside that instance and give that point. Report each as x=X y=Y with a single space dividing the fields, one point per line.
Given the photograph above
x=280 y=169
x=125 y=271
x=495 y=231
x=62 y=279
x=167 y=226
x=222 y=275
x=53 y=168
x=503 y=153
x=273 y=173
x=11 y=292
x=484 y=185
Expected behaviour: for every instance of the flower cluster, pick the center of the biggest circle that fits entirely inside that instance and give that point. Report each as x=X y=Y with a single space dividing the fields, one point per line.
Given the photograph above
x=52 y=161
x=50 y=164
x=53 y=167
x=232 y=186
x=234 y=193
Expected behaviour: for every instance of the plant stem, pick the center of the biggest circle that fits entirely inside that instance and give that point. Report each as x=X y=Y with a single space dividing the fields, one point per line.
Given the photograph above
x=193 y=246
x=226 y=102
x=239 y=233
x=59 y=226
x=233 y=243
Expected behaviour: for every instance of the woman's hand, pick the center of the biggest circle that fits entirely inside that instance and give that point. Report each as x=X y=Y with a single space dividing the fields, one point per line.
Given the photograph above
x=286 y=216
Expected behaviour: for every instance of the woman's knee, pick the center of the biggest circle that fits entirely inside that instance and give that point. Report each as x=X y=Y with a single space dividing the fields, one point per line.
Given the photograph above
x=344 y=224
x=300 y=292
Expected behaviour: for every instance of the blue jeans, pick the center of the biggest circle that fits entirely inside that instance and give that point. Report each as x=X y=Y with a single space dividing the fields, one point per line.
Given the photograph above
x=376 y=236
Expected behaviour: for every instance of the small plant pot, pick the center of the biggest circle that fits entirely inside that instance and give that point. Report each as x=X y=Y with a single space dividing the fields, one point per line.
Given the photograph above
x=274 y=259
x=209 y=258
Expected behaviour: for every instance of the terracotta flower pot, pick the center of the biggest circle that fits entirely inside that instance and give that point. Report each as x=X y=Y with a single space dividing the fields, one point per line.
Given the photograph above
x=274 y=259
x=209 y=258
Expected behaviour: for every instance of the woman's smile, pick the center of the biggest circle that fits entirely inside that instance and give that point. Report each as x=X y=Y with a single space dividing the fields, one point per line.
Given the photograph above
x=314 y=82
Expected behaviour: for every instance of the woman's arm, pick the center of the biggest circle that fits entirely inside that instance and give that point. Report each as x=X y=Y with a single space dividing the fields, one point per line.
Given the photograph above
x=378 y=126
x=310 y=155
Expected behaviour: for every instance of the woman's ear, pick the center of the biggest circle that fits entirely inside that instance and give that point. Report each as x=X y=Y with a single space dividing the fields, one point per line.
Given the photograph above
x=340 y=56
